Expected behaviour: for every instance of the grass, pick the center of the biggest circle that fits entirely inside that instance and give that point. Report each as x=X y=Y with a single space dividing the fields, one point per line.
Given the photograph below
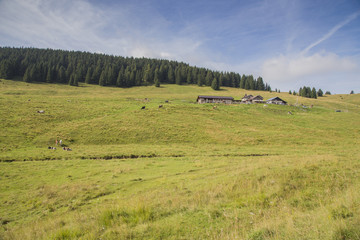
x=184 y=171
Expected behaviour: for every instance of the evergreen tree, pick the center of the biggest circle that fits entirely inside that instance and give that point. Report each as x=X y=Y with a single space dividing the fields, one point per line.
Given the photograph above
x=290 y=92
x=171 y=78
x=250 y=82
x=327 y=93
x=88 y=75
x=71 y=80
x=6 y=69
x=96 y=73
x=62 y=75
x=320 y=93
x=178 y=76
x=76 y=79
x=215 y=84
x=102 y=80
x=157 y=80
x=313 y=93
x=209 y=78
x=27 y=75
x=243 y=81
x=260 y=84
x=120 y=79
x=49 y=75
x=189 y=78
x=352 y=92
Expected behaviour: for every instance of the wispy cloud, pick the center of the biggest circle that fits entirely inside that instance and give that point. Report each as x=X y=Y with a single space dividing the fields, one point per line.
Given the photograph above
x=332 y=31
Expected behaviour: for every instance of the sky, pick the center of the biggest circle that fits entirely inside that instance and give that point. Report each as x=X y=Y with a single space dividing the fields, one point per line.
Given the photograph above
x=289 y=43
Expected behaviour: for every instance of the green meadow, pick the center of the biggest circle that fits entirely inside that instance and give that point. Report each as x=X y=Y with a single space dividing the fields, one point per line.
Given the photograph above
x=182 y=171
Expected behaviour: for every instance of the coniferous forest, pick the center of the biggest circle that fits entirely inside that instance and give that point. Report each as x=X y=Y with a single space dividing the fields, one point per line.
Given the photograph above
x=72 y=67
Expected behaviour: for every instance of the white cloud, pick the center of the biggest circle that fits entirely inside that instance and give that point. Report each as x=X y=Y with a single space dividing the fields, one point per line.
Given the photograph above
x=317 y=69
x=80 y=25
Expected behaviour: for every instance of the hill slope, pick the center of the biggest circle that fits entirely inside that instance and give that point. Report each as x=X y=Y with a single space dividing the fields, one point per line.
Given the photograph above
x=185 y=170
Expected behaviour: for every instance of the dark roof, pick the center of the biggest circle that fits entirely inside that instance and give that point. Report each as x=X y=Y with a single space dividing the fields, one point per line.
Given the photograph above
x=256 y=97
x=247 y=96
x=216 y=97
x=276 y=98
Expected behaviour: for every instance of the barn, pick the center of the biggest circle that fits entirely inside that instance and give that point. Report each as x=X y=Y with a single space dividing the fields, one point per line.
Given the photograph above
x=276 y=100
x=215 y=99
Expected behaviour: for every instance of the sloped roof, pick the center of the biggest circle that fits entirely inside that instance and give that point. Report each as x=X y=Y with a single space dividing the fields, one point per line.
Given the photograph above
x=276 y=98
x=216 y=97
x=247 y=96
x=256 y=97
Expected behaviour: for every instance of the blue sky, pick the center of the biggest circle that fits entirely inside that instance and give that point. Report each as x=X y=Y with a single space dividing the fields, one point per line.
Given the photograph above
x=290 y=43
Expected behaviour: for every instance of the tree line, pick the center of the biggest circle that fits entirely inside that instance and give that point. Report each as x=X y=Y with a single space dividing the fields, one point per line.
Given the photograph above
x=309 y=92
x=73 y=67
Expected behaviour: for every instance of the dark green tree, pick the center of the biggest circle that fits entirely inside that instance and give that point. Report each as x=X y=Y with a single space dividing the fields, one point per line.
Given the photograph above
x=157 y=80
x=260 y=84
x=215 y=84
x=102 y=80
x=313 y=93
x=88 y=75
x=320 y=93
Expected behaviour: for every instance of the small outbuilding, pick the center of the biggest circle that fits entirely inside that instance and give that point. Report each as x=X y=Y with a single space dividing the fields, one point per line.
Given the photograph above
x=215 y=99
x=276 y=100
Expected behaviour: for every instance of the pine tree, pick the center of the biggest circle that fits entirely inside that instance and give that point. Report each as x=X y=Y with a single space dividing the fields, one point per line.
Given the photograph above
x=243 y=81
x=313 y=93
x=88 y=75
x=62 y=75
x=120 y=79
x=178 y=76
x=49 y=75
x=209 y=78
x=102 y=80
x=171 y=78
x=157 y=80
x=76 y=79
x=320 y=93
x=215 y=84
x=27 y=75
x=188 y=77
x=71 y=80
x=260 y=84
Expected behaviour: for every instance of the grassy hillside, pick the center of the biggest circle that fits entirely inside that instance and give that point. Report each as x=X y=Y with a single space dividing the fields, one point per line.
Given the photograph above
x=183 y=171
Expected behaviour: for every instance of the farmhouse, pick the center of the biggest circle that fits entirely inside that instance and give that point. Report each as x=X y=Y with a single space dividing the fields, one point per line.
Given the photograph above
x=215 y=99
x=246 y=98
x=252 y=99
x=276 y=100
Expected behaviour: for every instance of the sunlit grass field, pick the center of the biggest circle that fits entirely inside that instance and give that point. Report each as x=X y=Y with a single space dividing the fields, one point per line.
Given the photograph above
x=182 y=171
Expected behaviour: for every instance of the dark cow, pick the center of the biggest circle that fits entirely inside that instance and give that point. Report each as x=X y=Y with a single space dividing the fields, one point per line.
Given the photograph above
x=160 y=106
x=143 y=107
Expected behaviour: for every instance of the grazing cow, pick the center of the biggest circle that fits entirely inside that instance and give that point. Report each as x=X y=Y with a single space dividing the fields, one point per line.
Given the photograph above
x=167 y=101
x=160 y=106
x=41 y=111
x=290 y=113
x=143 y=107
x=214 y=107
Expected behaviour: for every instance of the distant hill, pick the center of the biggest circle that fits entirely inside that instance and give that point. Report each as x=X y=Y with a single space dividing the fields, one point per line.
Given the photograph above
x=70 y=67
